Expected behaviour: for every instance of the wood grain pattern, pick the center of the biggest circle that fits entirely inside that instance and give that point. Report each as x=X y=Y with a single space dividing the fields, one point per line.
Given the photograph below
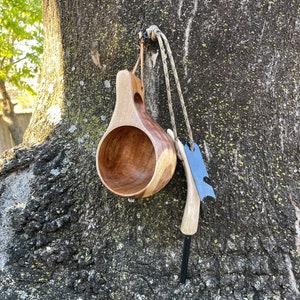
x=135 y=157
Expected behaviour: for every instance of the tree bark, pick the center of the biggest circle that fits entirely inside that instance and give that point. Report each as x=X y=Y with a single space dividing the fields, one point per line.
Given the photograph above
x=64 y=236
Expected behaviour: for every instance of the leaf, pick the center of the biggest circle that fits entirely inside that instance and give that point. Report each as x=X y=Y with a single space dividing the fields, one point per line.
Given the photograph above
x=21 y=38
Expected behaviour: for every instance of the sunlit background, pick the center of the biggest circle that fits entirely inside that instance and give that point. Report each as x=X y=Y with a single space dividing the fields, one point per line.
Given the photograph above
x=21 y=47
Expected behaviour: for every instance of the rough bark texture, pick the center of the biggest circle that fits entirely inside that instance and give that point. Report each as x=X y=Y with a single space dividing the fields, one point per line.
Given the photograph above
x=64 y=236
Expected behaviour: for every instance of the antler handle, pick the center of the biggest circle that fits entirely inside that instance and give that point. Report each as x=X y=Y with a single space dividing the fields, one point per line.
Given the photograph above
x=190 y=219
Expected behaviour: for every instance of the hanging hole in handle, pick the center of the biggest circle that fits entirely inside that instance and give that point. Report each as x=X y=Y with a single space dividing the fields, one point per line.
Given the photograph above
x=138 y=101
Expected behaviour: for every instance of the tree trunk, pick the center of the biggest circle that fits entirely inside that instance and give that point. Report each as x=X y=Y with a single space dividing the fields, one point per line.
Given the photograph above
x=9 y=116
x=65 y=236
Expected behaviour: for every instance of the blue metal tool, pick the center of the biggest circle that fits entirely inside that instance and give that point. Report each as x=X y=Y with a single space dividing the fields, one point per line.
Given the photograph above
x=199 y=172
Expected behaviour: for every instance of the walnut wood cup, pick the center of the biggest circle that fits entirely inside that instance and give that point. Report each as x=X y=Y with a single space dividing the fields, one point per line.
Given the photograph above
x=135 y=157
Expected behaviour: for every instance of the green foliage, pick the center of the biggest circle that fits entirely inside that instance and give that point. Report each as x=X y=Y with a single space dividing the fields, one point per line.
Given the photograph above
x=21 y=36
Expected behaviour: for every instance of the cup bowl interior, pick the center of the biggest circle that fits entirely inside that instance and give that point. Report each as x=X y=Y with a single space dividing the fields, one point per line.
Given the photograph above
x=126 y=160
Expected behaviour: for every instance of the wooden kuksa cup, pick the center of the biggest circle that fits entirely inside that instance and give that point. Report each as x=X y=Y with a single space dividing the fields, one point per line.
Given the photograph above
x=135 y=157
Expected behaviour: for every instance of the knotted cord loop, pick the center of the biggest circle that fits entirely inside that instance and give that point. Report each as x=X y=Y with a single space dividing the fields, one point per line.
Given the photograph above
x=167 y=81
x=140 y=61
x=154 y=33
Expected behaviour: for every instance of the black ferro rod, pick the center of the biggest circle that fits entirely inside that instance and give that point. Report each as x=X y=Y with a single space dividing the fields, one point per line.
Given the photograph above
x=185 y=258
